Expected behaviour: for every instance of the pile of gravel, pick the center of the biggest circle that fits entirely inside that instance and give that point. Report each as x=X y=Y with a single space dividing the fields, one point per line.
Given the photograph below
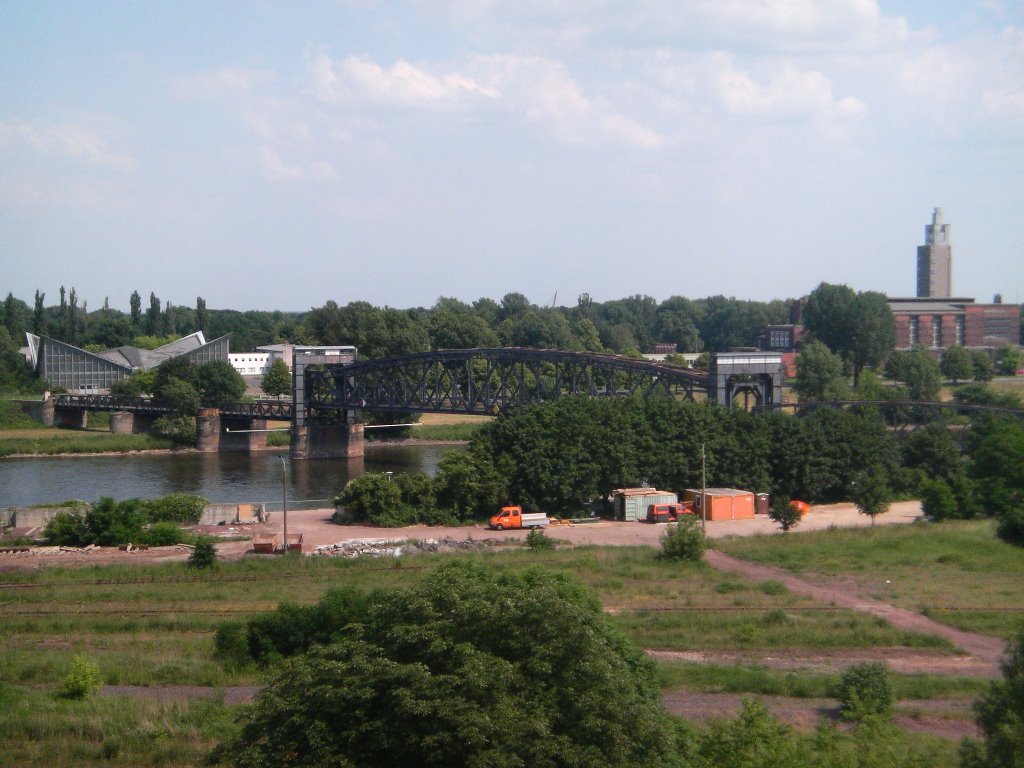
x=404 y=547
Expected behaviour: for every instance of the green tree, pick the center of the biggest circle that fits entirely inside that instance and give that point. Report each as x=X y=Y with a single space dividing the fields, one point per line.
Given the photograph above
x=1007 y=360
x=278 y=379
x=918 y=370
x=39 y=314
x=219 y=383
x=819 y=374
x=857 y=326
x=467 y=484
x=154 y=321
x=956 y=364
x=871 y=493
x=1000 y=716
x=479 y=668
x=135 y=305
x=784 y=513
x=200 y=316
x=182 y=398
x=983 y=368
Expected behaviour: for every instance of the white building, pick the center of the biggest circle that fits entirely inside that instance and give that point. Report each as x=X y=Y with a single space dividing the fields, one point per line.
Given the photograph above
x=250 y=363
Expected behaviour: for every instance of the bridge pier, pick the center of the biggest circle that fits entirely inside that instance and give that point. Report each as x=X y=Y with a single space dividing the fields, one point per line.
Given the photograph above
x=313 y=440
x=208 y=430
x=122 y=423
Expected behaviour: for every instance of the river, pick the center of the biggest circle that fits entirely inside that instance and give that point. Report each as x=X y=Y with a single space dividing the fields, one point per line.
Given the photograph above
x=217 y=477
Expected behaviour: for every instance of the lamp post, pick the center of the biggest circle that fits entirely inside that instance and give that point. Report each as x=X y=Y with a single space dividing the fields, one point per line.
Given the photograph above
x=284 y=499
x=703 y=490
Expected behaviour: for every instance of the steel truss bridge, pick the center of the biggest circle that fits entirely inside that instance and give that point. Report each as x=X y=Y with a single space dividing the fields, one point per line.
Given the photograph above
x=487 y=381
x=281 y=410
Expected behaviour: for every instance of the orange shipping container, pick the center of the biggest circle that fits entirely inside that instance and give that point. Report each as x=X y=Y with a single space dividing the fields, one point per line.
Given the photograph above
x=723 y=503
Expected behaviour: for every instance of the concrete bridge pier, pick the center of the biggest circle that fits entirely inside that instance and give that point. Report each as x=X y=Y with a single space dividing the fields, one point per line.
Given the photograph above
x=208 y=430
x=314 y=440
x=122 y=423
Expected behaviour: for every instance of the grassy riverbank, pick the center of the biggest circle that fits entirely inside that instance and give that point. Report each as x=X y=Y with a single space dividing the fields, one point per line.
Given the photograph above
x=51 y=441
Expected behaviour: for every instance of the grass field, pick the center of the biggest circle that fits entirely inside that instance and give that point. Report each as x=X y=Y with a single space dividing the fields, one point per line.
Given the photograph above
x=957 y=573
x=154 y=625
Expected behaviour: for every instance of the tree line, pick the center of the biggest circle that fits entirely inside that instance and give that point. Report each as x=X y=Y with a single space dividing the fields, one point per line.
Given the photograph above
x=563 y=456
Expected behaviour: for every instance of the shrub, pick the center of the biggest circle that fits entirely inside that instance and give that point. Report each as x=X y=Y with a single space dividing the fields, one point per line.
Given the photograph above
x=1011 y=526
x=67 y=529
x=83 y=680
x=538 y=540
x=998 y=714
x=683 y=540
x=162 y=535
x=864 y=691
x=176 y=508
x=937 y=500
x=204 y=555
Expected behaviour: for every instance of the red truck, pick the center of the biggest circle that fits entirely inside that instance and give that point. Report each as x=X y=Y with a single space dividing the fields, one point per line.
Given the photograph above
x=668 y=513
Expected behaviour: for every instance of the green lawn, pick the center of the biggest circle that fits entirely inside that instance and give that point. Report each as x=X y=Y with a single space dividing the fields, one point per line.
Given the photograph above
x=958 y=573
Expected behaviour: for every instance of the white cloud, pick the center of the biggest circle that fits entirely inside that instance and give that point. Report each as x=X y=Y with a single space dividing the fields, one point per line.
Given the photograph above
x=276 y=169
x=356 y=78
x=67 y=141
x=786 y=92
x=538 y=89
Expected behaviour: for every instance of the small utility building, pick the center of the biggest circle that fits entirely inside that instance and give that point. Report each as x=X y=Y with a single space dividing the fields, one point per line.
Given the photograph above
x=723 y=503
x=631 y=504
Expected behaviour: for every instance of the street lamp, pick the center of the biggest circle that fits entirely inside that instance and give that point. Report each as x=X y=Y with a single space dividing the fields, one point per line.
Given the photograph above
x=284 y=499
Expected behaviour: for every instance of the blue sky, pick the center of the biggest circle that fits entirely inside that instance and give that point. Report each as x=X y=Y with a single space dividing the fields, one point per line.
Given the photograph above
x=272 y=155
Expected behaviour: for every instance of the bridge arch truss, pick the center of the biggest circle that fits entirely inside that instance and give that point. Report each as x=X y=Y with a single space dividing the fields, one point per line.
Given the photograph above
x=486 y=381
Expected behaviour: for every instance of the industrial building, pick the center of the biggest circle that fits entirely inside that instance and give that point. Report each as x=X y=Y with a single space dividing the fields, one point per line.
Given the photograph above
x=82 y=372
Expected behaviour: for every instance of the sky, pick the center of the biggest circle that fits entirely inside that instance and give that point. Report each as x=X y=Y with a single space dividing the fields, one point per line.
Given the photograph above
x=277 y=155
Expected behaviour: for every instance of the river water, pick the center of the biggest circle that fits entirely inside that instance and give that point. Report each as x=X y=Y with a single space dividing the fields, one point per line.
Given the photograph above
x=217 y=477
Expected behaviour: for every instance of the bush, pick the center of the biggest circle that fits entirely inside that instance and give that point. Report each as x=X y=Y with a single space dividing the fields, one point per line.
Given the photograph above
x=204 y=555
x=864 y=692
x=67 y=529
x=998 y=714
x=181 y=508
x=937 y=500
x=537 y=539
x=684 y=540
x=1011 y=526
x=83 y=680
x=162 y=535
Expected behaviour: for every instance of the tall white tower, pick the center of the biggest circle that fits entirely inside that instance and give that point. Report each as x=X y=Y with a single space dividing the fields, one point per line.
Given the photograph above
x=935 y=260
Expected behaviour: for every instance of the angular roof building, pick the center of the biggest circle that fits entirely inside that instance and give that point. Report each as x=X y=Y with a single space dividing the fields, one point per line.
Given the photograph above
x=77 y=370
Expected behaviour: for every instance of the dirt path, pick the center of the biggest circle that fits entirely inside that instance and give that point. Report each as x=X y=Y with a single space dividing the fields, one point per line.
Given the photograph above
x=986 y=651
x=904 y=661
x=946 y=718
